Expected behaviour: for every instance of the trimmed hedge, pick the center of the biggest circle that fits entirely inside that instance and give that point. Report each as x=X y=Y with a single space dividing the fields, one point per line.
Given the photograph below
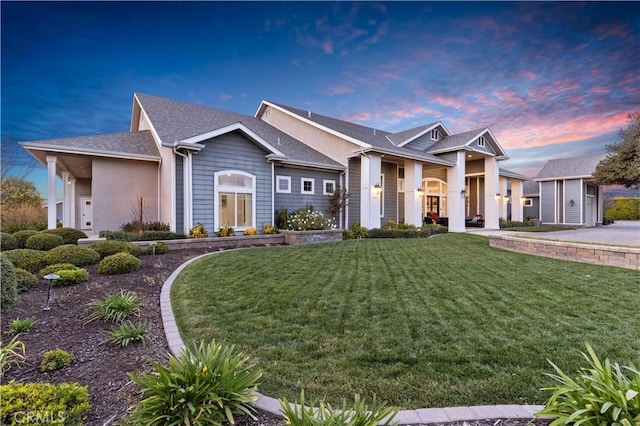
x=69 y=235
x=71 y=277
x=43 y=242
x=53 y=269
x=25 y=280
x=119 y=263
x=109 y=247
x=145 y=236
x=8 y=284
x=426 y=231
x=158 y=248
x=70 y=253
x=31 y=260
x=8 y=242
x=66 y=403
x=22 y=236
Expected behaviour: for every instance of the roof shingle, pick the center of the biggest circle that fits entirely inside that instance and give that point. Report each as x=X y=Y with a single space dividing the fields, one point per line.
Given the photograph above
x=576 y=167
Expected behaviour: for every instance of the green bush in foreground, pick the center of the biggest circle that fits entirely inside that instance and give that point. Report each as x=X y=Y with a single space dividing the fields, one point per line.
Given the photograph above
x=119 y=263
x=31 y=260
x=53 y=269
x=70 y=253
x=145 y=236
x=158 y=248
x=8 y=283
x=68 y=277
x=24 y=280
x=8 y=242
x=127 y=333
x=359 y=415
x=20 y=325
x=22 y=236
x=205 y=385
x=114 y=307
x=69 y=235
x=43 y=242
x=110 y=247
x=602 y=394
x=55 y=360
x=22 y=403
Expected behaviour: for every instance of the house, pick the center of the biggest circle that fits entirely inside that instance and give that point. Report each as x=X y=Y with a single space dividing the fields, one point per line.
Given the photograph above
x=190 y=163
x=531 y=204
x=567 y=192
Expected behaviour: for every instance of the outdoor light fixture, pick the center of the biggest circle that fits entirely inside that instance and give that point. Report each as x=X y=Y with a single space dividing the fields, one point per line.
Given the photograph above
x=523 y=199
x=498 y=196
x=463 y=192
x=377 y=189
x=51 y=278
x=506 y=199
x=420 y=190
x=572 y=203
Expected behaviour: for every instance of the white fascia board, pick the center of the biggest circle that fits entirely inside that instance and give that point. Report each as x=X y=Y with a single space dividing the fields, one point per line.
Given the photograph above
x=95 y=153
x=563 y=178
x=189 y=146
x=501 y=152
x=300 y=163
x=231 y=128
x=404 y=155
x=316 y=125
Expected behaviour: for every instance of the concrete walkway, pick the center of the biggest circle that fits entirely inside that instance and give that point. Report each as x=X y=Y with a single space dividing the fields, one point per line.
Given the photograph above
x=623 y=233
x=404 y=417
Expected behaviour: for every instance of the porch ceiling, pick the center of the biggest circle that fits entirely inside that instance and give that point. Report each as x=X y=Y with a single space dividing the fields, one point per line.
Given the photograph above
x=78 y=166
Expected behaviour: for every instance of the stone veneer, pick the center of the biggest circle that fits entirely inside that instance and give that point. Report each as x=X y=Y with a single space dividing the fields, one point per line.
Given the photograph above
x=623 y=257
x=306 y=237
x=213 y=243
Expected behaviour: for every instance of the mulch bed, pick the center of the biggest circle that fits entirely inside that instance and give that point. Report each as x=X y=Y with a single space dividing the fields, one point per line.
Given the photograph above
x=103 y=367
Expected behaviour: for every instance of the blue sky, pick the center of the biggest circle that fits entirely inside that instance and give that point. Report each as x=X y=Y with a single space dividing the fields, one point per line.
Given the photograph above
x=549 y=79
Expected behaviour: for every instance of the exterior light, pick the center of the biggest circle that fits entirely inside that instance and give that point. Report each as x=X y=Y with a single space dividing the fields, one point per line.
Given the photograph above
x=51 y=278
x=498 y=196
x=506 y=199
x=523 y=199
x=463 y=193
x=420 y=191
x=377 y=189
x=572 y=203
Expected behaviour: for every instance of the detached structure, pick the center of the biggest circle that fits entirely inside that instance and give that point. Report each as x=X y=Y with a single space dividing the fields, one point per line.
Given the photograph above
x=190 y=163
x=567 y=193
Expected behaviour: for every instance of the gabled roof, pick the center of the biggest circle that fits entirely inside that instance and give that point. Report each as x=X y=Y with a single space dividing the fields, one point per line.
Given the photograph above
x=464 y=140
x=130 y=145
x=180 y=124
x=510 y=174
x=565 y=168
x=406 y=136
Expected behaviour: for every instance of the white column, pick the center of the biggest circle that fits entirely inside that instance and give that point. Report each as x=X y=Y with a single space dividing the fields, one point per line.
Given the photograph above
x=413 y=198
x=502 y=182
x=51 y=187
x=72 y=202
x=516 y=200
x=491 y=188
x=66 y=204
x=370 y=169
x=456 y=201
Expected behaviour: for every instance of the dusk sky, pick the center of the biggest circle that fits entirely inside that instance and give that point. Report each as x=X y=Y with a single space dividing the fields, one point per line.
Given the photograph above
x=549 y=79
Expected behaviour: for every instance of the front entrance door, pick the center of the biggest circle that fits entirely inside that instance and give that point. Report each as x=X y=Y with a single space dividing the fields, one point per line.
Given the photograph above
x=86 y=213
x=432 y=205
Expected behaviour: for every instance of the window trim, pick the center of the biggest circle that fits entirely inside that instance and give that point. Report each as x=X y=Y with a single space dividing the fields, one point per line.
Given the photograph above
x=528 y=202
x=217 y=189
x=324 y=186
x=482 y=141
x=284 y=178
x=313 y=186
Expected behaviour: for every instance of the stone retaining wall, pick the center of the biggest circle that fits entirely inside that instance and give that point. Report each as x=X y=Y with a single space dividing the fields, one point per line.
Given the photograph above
x=623 y=257
x=213 y=243
x=307 y=237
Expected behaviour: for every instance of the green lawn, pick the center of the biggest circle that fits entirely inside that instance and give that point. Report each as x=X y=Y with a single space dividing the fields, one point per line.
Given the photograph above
x=432 y=322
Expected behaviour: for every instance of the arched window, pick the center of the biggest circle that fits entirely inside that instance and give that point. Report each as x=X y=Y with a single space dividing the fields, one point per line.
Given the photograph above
x=235 y=195
x=435 y=199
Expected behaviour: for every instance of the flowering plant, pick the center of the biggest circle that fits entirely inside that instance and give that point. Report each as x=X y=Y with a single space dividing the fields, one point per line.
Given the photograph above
x=308 y=220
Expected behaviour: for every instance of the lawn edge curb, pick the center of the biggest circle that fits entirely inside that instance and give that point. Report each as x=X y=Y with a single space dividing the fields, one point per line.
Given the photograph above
x=404 y=417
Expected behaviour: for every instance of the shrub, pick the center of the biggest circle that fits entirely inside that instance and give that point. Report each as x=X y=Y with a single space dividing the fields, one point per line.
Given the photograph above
x=43 y=242
x=22 y=217
x=71 y=277
x=504 y=223
x=20 y=325
x=158 y=248
x=69 y=235
x=269 y=229
x=360 y=414
x=198 y=231
x=607 y=220
x=138 y=227
x=11 y=354
x=70 y=253
x=22 y=236
x=119 y=263
x=226 y=231
x=423 y=232
x=603 y=393
x=24 y=280
x=8 y=242
x=8 y=283
x=204 y=384
x=356 y=232
x=56 y=359
x=31 y=260
x=250 y=231
x=109 y=247
x=145 y=236
x=624 y=208
x=127 y=333
x=308 y=219
x=64 y=403
x=114 y=307
x=282 y=217
x=56 y=267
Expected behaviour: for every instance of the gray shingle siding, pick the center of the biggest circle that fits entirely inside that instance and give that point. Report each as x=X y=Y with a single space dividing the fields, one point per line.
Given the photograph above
x=532 y=212
x=421 y=143
x=295 y=200
x=547 y=197
x=572 y=192
x=231 y=151
x=390 y=210
x=354 y=191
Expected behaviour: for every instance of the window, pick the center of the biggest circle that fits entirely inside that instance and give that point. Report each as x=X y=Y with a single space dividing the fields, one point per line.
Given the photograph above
x=434 y=134
x=283 y=184
x=400 y=184
x=306 y=186
x=329 y=187
x=482 y=141
x=528 y=202
x=234 y=193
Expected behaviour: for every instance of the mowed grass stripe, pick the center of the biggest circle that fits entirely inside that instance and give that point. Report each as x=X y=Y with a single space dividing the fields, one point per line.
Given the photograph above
x=421 y=323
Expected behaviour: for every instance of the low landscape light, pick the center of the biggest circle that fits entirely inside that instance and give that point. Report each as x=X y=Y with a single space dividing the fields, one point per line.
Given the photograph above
x=51 y=278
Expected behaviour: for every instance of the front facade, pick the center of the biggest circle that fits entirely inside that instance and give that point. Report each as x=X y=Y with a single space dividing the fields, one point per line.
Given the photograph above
x=567 y=193
x=191 y=164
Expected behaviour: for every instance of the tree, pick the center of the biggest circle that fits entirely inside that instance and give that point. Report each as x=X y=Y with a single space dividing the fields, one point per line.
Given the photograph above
x=15 y=161
x=19 y=192
x=621 y=166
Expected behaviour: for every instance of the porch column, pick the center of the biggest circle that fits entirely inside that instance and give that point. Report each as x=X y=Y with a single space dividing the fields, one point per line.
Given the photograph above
x=516 y=200
x=370 y=199
x=456 y=201
x=413 y=198
x=51 y=188
x=491 y=188
x=502 y=210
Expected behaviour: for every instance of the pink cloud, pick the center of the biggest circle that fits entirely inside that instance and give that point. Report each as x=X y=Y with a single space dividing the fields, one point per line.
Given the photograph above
x=529 y=75
x=391 y=76
x=605 y=31
x=341 y=89
x=600 y=90
x=225 y=97
x=327 y=47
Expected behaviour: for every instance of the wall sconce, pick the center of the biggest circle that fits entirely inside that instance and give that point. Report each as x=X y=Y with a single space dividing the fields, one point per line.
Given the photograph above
x=523 y=199
x=572 y=203
x=498 y=196
x=420 y=192
x=463 y=193
x=506 y=199
x=377 y=189
x=68 y=180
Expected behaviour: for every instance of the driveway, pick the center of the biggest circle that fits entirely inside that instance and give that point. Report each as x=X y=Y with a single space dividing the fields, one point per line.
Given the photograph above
x=624 y=232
